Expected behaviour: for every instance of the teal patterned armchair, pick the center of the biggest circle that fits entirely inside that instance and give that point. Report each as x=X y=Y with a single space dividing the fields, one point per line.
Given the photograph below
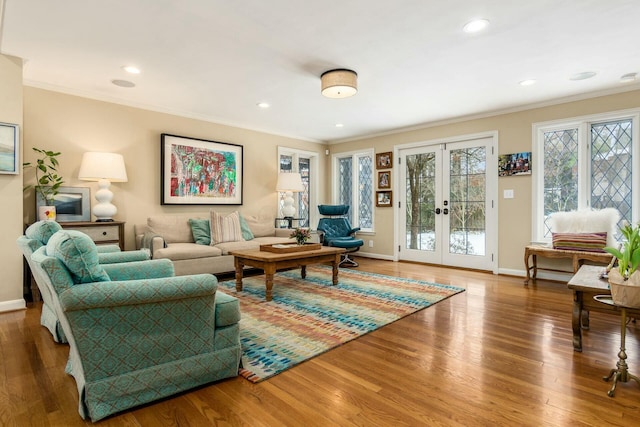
x=136 y=333
x=36 y=236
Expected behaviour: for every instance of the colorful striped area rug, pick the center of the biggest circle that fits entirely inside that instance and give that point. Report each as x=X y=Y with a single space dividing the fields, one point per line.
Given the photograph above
x=310 y=316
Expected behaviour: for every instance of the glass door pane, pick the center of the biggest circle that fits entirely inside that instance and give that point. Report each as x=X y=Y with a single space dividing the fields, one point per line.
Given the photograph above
x=467 y=200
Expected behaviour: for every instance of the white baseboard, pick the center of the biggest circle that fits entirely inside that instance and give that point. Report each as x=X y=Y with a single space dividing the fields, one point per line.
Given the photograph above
x=375 y=256
x=18 y=304
x=547 y=275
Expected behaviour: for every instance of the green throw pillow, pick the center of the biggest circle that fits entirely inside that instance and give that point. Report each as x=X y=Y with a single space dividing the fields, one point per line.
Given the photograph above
x=42 y=231
x=246 y=231
x=201 y=231
x=79 y=254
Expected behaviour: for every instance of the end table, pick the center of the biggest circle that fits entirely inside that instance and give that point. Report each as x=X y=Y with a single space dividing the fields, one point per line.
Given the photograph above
x=621 y=371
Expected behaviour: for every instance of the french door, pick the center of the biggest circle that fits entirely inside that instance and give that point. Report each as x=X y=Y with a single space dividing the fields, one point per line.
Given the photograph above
x=447 y=204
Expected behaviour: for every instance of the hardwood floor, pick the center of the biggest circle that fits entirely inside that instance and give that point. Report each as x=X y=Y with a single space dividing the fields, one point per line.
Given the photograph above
x=498 y=354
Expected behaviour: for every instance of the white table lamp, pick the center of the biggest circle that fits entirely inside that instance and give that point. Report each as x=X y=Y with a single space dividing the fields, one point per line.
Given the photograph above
x=104 y=168
x=288 y=183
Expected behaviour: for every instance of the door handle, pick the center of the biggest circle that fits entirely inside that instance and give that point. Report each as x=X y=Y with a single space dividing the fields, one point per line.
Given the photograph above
x=438 y=211
x=445 y=211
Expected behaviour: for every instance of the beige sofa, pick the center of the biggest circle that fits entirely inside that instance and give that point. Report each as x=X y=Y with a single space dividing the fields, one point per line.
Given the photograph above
x=170 y=236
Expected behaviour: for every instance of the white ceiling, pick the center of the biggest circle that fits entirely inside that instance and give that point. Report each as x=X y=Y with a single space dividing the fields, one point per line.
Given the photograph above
x=215 y=60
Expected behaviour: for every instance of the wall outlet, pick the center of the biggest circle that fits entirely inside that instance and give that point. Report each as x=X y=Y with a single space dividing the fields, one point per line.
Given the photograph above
x=370 y=243
x=508 y=194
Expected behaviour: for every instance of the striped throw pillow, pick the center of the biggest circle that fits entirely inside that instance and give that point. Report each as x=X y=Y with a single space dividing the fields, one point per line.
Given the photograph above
x=588 y=242
x=225 y=228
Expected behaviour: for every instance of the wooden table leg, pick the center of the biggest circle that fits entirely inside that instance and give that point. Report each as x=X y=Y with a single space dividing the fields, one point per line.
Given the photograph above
x=303 y=271
x=335 y=264
x=576 y=320
x=269 y=271
x=239 y=268
x=526 y=266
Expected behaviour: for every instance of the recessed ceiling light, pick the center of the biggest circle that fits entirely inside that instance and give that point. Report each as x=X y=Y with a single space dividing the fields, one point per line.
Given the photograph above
x=629 y=77
x=339 y=125
x=263 y=104
x=583 y=76
x=123 y=83
x=131 y=69
x=528 y=82
x=475 y=25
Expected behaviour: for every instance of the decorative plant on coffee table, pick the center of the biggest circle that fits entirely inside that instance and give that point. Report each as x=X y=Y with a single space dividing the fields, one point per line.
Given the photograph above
x=624 y=279
x=301 y=235
x=48 y=181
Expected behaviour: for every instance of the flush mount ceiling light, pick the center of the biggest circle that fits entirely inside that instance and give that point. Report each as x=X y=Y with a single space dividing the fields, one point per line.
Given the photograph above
x=263 y=104
x=131 y=69
x=583 y=76
x=527 y=82
x=475 y=25
x=339 y=83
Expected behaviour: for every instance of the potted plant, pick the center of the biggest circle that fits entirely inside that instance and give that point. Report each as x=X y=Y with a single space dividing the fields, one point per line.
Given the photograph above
x=301 y=235
x=48 y=181
x=624 y=280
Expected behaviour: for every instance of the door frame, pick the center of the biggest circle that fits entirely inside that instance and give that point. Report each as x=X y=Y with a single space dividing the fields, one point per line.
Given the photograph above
x=492 y=193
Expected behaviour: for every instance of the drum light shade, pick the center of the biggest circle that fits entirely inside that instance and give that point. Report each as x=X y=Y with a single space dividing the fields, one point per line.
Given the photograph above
x=340 y=83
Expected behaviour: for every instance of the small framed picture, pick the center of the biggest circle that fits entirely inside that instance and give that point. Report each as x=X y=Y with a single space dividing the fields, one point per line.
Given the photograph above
x=384 y=179
x=9 y=149
x=384 y=160
x=384 y=199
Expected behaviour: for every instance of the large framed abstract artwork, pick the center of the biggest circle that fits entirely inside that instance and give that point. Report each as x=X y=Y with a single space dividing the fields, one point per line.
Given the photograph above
x=200 y=172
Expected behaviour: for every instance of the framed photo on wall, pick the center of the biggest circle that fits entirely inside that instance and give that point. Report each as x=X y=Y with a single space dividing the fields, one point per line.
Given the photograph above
x=384 y=179
x=514 y=164
x=9 y=149
x=72 y=204
x=200 y=172
x=384 y=160
x=384 y=199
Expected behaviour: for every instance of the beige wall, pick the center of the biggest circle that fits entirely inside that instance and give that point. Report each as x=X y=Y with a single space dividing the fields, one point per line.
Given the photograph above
x=73 y=125
x=11 y=191
x=514 y=135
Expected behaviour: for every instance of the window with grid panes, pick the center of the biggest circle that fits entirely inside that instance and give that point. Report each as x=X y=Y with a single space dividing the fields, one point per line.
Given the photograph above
x=292 y=160
x=585 y=163
x=354 y=187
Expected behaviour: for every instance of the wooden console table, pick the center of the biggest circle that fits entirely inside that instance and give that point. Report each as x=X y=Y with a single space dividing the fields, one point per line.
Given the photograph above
x=577 y=257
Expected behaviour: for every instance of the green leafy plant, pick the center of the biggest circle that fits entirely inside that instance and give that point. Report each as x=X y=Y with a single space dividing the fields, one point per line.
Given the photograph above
x=628 y=255
x=48 y=181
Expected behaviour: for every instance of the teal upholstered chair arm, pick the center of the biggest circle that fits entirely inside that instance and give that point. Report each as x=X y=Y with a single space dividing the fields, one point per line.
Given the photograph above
x=133 y=292
x=126 y=256
x=150 y=269
x=105 y=249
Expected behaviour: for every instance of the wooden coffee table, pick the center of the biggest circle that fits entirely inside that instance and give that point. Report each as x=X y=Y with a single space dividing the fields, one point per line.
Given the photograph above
x=271 y=262
x=586 y=284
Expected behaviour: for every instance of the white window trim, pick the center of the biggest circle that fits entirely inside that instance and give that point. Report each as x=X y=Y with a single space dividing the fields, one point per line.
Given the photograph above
x=334 y=188
x=314 y=178
x=582 y=123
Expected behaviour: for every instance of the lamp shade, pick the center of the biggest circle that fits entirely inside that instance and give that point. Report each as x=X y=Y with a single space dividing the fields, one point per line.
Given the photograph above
x=96 y=166
x=340 y=83
x=289 y=181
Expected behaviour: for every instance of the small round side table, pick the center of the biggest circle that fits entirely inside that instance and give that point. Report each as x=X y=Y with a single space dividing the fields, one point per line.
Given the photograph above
x=620 y=372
